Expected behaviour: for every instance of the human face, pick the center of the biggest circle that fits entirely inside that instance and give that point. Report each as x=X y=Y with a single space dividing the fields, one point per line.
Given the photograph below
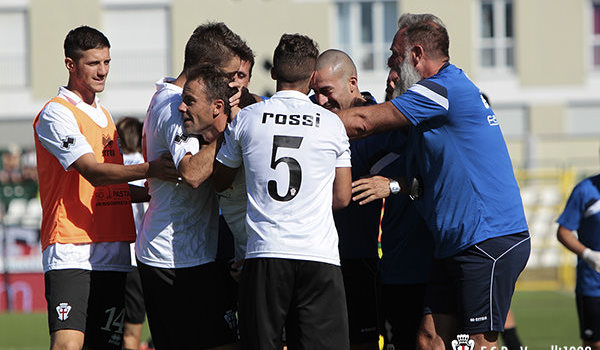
x=397 y=49
x=391 y=84
x=331 y=91
x=196 y=110
x=243 y=74
x=232 y=67
x=401 y=63
x=87 y=75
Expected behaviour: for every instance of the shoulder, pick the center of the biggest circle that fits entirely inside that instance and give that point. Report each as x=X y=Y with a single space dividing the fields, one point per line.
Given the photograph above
x=56 y=112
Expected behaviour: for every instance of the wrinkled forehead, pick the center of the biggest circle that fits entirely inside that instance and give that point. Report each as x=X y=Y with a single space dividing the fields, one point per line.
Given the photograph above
x=327 y=77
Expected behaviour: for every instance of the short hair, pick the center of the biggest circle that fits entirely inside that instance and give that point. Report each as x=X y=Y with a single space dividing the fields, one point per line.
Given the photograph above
x=214 y=43
x=215 y=83
x=130 y=134
x=81 y=39
x=295 y=58
x=426 y=30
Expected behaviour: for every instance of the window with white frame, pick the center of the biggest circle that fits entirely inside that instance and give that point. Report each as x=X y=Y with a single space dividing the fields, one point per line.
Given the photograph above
x=14 y=40
x=596 y=35
x=365 y=30
x=496 y=49
x=138 y=37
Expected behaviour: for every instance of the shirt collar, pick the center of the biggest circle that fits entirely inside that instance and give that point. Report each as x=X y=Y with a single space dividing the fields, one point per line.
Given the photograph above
x=291 y=94
x=167 y=82
x=73 y=98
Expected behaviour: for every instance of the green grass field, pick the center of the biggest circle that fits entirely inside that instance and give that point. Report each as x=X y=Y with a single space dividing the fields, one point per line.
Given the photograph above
x=543 y=319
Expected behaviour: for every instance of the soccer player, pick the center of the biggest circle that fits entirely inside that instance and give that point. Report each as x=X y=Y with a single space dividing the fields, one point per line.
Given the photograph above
x=335 y=84
x=582 y=214
x=177 y=246
x=470 y=201
x=297 y=164
x=87 y=222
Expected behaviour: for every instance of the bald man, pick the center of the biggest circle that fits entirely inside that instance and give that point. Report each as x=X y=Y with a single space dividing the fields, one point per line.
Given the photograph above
x=335 y=84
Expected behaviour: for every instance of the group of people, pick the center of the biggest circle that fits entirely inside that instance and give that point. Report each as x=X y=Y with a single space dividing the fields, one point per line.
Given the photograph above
x=299 y=183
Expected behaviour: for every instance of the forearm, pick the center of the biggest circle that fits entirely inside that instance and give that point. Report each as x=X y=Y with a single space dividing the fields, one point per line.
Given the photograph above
x=197 y=168
x=103 y=174
x=361 y=122
x=568 y=239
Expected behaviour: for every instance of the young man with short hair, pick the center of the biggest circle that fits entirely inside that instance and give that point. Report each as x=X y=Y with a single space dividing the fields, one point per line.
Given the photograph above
x=297 y=163
x=87 y=223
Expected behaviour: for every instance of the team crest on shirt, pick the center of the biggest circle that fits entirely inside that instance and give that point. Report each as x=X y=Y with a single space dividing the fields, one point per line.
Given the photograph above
x=67 y=142
x=492 y=120
x=63 y=310
x=463 y=342
x=181 y=138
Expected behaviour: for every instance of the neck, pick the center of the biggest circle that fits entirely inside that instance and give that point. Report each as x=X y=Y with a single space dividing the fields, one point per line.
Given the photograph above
x=302 y=86
x=433 y=67
x=86 y=96
x=181 y=79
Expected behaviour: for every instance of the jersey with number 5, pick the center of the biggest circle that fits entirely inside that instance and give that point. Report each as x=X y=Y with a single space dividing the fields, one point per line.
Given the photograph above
x=290 y=148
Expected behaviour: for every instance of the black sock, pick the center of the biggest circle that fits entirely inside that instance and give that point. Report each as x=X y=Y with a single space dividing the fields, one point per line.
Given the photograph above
x=511 y=339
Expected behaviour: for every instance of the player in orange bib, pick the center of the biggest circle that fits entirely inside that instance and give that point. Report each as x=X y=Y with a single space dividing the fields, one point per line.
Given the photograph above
x=87 y=220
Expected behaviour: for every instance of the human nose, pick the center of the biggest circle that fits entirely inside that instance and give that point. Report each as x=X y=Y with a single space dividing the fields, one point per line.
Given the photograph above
x=182 y=107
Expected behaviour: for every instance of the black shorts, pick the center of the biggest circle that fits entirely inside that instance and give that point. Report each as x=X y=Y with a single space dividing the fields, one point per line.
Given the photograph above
x=477 y=284
x=187 y=307
x=402 y=306
x=88 y=301
x=362 y=296
x=135 y=310
x=588 y=310
x=306 y=297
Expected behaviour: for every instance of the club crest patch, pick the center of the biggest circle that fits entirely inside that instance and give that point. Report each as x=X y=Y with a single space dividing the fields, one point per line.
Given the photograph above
x=63 y=310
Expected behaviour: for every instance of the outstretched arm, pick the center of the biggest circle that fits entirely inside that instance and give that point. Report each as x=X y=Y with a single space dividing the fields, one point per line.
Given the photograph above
x=101 y=174
x=361 y=122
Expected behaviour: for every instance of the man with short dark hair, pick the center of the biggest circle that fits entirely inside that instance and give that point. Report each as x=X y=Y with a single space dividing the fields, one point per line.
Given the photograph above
x=87 y=223
x=297 y=162
x=177 y=246
x=470 y=198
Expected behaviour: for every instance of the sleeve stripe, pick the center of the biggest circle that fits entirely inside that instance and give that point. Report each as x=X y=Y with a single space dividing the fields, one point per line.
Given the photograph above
x=434 y=96
x=383 y=162
x=592 y=209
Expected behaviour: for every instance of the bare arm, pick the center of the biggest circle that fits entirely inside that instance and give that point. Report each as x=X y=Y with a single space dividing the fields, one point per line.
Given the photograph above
x=368 y=189
x=197 y=168
x=100 y=174
x=363 y=121
x=342 y=188
x=223 y=176
x=568 y=239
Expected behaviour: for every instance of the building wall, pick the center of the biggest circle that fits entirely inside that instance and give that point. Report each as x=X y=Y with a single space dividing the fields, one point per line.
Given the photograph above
x=550 y=42
x=50 y=21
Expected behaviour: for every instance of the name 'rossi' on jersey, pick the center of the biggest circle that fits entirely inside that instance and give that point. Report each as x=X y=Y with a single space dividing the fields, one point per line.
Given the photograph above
x=292 y=119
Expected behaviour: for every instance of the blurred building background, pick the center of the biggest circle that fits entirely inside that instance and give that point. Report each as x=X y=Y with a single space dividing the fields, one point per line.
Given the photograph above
x=537 y=60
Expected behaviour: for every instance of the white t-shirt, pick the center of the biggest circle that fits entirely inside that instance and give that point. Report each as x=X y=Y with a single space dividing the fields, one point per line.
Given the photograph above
x=180 y=227
x=57 y=124
x=138 y=208
x=290 y=148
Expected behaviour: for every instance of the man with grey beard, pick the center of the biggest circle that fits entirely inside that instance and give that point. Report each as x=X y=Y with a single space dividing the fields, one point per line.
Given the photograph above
x=470 y=199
